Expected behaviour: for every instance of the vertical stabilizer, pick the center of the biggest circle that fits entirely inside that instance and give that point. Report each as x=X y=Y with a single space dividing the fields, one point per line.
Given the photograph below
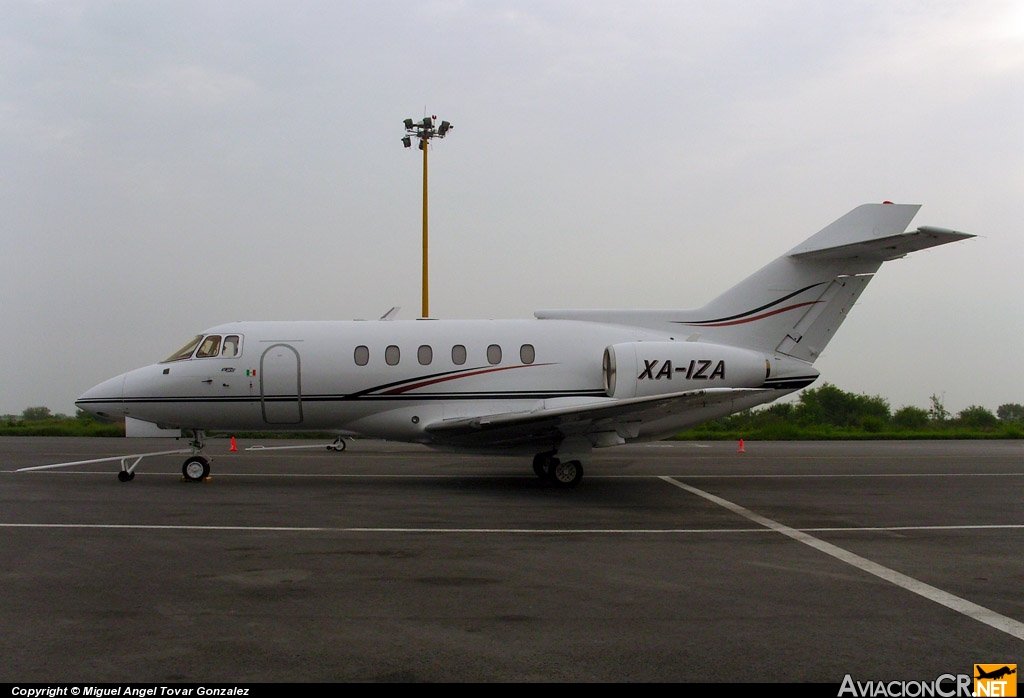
x=794 y=304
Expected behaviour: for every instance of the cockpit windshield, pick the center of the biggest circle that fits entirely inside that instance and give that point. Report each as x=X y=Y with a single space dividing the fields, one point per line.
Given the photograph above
x=185 y=352
x=209 y=346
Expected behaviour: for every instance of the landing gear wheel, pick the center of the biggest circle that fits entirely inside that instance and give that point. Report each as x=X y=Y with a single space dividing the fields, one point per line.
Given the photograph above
x=567 y=474
x=338 y=445
x=125 y=476
x=196 y=469
x=541 y=463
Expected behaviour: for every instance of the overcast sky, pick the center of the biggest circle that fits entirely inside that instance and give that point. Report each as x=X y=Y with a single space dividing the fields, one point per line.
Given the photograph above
x=168 y=166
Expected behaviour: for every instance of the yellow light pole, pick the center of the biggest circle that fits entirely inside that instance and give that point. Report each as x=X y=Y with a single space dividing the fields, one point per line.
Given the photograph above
x=423 y=131
x=426 y=291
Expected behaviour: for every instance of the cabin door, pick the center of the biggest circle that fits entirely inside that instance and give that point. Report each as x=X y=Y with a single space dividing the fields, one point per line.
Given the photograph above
x=281 y=385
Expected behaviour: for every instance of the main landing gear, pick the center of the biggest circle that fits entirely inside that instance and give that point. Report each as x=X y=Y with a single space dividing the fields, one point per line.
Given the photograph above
x=548 y=467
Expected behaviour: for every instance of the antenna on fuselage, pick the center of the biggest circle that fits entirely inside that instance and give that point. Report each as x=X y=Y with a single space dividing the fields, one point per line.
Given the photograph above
x=390 y=315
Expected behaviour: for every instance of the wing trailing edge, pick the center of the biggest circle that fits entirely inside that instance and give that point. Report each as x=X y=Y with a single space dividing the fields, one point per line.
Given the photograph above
x=601 y=420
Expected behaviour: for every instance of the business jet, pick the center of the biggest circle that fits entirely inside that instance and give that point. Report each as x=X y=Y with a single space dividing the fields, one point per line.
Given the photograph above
x=554 y=387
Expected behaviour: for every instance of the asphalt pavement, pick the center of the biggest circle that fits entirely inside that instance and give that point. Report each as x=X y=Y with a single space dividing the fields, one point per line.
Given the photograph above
x=670 y=562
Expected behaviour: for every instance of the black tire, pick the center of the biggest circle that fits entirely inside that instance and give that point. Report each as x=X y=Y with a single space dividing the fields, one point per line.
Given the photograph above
x=541 y=462
x=196 y=469
x=125 y=476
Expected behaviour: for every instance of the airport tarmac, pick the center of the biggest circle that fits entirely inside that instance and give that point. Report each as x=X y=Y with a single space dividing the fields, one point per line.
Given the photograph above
x=894 y=561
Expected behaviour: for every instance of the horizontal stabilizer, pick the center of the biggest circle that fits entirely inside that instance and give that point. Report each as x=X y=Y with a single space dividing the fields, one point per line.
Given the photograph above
x=886 y=248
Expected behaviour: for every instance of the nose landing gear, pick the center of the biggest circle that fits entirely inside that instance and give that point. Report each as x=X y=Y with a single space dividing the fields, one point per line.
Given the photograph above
x=196 y=468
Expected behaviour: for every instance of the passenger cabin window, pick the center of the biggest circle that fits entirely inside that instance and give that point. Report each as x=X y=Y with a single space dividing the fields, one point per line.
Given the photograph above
x=392 y=355
x=458 y=355
x=527 y=354
x=494 y=354
x=425 y=355
x=362 y=355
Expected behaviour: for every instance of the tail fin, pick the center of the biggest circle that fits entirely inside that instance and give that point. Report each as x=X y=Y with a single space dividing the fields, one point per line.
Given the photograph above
x=794 y=304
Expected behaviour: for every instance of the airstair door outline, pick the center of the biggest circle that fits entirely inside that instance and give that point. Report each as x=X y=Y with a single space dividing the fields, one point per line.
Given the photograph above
x=281 y=385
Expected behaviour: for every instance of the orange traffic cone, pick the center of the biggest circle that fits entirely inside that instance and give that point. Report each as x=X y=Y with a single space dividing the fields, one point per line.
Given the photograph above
x=741 y=449
x=234 y=447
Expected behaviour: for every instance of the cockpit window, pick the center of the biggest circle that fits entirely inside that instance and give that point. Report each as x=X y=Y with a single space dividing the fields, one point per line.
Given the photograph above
x=185 y=352
x=209 y=347
x=231 y=346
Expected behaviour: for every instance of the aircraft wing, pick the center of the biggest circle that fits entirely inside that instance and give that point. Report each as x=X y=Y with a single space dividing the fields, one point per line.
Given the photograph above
x=551 y=422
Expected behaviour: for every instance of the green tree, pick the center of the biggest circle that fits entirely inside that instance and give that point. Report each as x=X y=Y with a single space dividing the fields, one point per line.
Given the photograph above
x=911 y=418
x=830 y=405
x=34 y=414
x=977 y=417
x=1011 y=412
x=937 y=412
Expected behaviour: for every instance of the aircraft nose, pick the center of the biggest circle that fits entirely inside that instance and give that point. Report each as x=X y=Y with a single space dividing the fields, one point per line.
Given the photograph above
x=105 y=399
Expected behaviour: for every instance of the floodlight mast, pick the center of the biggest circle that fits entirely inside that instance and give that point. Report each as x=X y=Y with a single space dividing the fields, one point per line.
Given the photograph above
x=423 y=131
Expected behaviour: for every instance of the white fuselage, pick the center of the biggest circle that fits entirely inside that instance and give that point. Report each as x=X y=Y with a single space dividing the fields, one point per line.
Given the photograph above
x=392 y=379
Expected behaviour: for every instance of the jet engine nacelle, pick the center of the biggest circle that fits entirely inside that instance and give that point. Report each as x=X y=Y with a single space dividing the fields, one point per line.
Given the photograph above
x=642 y=369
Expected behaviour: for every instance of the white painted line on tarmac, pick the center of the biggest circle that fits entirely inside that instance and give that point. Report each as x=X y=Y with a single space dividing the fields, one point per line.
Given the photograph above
x=499 y=531
x=393 y=529
x=989 y=617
